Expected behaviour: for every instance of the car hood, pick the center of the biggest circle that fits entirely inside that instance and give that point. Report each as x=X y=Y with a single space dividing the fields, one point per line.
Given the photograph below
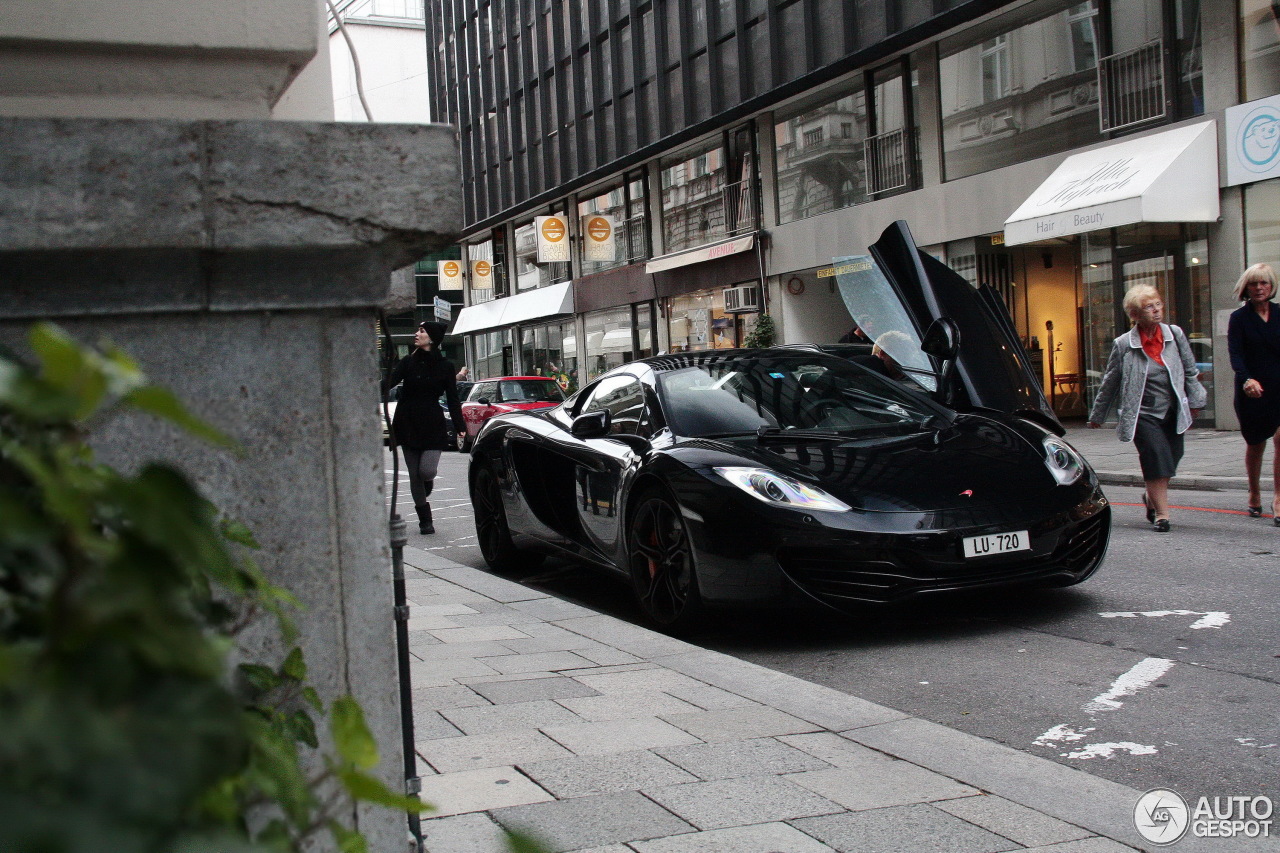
x=975 y=462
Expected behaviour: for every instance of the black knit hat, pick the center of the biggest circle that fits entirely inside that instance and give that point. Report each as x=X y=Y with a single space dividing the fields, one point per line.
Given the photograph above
x=435 y=331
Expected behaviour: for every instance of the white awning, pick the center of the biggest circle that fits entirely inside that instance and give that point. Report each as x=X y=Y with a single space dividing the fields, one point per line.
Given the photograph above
x=1165 y=177
x=546 y=301
x=703 y=253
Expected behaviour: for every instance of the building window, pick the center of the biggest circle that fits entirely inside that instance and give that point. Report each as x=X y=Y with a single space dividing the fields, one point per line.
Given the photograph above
x=995 y=68
x=816 y=176
x=697 y=321
x=530 y=274
x=491 y=354
x=1020 y=87
x=1260 y=48
x=551 y=350
x=624 y=205
x=610 y=340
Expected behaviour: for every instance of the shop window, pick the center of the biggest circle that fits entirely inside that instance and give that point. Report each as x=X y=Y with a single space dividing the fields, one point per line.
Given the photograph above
x=550 y=350
x=492 y=354
x=1262 y=222
x=1260 y=49
x=697 y=321
x=610 y=341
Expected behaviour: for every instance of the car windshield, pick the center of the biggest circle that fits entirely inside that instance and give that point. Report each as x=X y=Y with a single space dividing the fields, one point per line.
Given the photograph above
x=799 y=393
x=530 y=391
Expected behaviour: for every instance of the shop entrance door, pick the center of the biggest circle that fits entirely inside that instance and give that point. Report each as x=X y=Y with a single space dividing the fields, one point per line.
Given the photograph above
x=1161 y=267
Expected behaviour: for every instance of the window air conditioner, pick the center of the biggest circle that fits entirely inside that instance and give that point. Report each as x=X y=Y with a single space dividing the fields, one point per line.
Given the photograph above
x=742 y=299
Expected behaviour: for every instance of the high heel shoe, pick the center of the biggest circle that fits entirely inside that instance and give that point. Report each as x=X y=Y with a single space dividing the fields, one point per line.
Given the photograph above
x=1255 y=512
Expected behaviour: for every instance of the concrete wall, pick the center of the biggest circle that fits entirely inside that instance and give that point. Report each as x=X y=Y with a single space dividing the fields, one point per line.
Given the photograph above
x=241 y=262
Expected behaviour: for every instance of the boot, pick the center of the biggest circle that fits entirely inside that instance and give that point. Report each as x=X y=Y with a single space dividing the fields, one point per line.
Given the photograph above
x=424 y=519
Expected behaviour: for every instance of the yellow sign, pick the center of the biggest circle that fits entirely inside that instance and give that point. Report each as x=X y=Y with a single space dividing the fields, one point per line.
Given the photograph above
x=450 y=274
x=997 y=239
x=857 y=266
x=552 y=245
x=599 y=229
x=483 y=268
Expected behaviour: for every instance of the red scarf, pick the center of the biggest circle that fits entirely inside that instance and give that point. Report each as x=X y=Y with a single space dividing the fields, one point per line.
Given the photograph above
x=1153 y=343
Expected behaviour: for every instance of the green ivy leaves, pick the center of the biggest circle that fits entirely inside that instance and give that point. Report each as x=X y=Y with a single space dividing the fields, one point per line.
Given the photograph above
x=121 y=597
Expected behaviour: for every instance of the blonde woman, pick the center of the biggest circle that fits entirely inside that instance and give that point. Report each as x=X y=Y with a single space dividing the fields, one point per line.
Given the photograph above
x=1253 y=340
x=1151 y=376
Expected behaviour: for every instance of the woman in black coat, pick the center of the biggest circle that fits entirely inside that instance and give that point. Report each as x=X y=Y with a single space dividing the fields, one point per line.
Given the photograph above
x=1253 y=341
x=419 y=427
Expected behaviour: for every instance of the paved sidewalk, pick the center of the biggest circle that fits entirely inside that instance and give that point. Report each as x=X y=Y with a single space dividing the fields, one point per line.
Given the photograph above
x=1213 y=459
x=597 y=735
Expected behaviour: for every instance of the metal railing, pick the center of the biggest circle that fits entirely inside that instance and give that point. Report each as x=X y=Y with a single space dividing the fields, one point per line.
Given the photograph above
x=1131 y=87
x=739 y=207
x=886 y=161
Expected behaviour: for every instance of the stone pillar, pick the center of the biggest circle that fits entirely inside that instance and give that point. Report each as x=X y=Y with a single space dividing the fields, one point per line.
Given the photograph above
x=241 y=263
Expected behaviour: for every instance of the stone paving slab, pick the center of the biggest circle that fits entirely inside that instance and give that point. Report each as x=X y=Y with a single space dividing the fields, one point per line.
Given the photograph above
x=760 y=838
x=606 y=774
x=516 y=715
x=903 y=829
x=480 y=790
x=528 y=690
x=628 y=706
x=472 y=752
x=755 y=757
x=1018 y=823
x=618 y=736
x=583 y=822
x=737 y=724
x=742 y=801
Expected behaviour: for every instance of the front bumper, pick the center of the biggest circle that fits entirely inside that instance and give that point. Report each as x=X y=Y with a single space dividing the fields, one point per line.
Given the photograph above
x=749 y=552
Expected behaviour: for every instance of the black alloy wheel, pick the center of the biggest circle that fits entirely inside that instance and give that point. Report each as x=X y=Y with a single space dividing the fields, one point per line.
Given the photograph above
x=492 y=532
x=661 y=563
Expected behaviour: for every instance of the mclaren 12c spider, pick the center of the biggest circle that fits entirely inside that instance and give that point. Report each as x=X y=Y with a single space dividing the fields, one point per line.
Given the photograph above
x=756 y=476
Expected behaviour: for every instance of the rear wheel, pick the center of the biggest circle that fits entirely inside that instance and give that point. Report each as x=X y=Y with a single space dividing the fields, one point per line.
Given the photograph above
x=492 y=533
x=661 y=563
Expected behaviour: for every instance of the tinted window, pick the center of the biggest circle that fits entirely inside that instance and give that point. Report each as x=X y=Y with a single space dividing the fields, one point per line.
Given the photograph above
x=799 y=391
x=487 y=390
x=623 y=398
x=530 y=391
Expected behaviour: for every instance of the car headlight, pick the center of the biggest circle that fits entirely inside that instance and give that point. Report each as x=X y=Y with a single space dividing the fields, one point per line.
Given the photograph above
x=773 y=488
x=1061 y=459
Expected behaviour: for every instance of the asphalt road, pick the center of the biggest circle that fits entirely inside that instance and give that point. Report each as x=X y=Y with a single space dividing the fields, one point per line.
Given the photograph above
x=1163 y=670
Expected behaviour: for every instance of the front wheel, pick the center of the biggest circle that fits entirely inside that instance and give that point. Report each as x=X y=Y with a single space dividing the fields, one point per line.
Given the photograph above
x=492 y=533
x=662 y=565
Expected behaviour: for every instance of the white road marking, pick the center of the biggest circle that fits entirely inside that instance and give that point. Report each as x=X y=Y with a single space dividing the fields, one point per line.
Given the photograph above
x=1210 y=619
x=1140 y=675
x=1248 y=741
x=1106 y=750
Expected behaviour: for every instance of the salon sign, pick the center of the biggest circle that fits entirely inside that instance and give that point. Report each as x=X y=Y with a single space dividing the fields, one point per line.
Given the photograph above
x=1253 y=141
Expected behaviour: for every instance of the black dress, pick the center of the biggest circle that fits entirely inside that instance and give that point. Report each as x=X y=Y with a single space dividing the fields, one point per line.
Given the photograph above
x=424 y=375
x=1255 y=354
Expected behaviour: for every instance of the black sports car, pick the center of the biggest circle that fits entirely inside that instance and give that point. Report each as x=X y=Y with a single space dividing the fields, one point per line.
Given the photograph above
x=735 y=477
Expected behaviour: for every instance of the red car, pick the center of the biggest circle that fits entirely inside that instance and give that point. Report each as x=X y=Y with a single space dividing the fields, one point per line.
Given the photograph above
x=491 y=397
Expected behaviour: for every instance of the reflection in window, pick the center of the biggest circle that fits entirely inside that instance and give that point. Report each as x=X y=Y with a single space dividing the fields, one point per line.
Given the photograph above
x=707 y=195
x=1260 y=49
x=551 y=351
x=1023 y=93
x=819 y=157
x=491 y=354
x=697 y=321
x=609 y=340
x=624 y=206
x=530 y=273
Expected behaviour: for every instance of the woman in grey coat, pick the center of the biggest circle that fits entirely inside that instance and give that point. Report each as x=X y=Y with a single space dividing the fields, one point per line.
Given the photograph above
x=1151 y=376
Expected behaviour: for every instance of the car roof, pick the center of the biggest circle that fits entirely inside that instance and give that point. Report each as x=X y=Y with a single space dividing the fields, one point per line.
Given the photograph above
x=681 y=360
x=505 y=378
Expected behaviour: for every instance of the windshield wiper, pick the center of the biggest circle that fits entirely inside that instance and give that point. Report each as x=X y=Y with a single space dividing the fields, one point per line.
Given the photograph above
x=768 y=433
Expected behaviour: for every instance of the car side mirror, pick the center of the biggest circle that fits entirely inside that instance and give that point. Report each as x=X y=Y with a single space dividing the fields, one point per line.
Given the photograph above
x=942 y=339
x=484 y=401
x=591 y=424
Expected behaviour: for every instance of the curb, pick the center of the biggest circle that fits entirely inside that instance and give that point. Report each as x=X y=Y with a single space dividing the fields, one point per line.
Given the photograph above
x=1200 y=482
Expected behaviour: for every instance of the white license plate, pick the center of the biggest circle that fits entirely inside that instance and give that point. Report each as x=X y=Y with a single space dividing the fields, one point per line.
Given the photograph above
x=996 y=543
